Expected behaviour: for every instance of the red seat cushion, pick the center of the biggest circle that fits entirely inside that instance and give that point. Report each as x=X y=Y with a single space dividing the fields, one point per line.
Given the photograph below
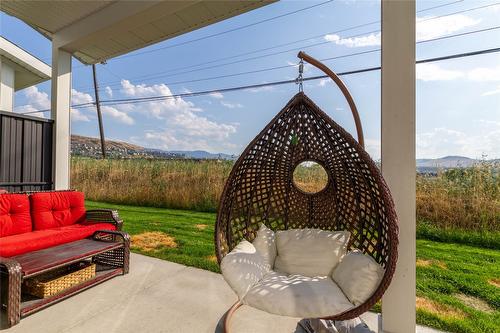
x=42 y=239
x=14 y=214
x=57 y=209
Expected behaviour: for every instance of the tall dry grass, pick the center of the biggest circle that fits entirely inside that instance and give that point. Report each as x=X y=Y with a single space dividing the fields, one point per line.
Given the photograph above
x=467 y=198
x=459 y=198
x=194 y=185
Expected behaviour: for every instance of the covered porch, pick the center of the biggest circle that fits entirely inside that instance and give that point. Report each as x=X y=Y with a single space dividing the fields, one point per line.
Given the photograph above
x=160 y=296
x=166 y=297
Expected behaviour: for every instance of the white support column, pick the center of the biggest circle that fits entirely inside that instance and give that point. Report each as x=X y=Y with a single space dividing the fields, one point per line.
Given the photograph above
x=7 y=75
x=60 y=102
x=398 y=155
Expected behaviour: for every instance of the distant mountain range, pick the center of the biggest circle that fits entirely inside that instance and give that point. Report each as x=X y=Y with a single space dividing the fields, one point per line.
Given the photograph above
x=91 y=147
x=432 y=165
x=204 y=155
x=446 y=162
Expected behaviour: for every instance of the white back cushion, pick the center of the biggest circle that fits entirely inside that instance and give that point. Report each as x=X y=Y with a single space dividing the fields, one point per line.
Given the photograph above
x=309 y=252
x=265 y=244
x=243 y=267
x=358 y=275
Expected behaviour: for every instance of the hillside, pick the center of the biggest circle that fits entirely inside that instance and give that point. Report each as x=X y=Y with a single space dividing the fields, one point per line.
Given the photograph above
x=446 y=162
x=91 y=147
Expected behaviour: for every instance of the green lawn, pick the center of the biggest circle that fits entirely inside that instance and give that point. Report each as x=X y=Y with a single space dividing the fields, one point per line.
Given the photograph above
x=458 y=285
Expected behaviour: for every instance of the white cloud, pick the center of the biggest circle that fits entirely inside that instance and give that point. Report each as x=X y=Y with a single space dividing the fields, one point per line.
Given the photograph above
x=361 y=41
x=484 y=74
x=216 y=95
x=109 y=91
x=117 y=115
x=231 y=105
x=158 y=109
x=492 y=92
x=433 y=72
x=78 y=97
x=77 y=115
x=168 y=141
x=260 y=89
x=426 y=28
x=429 y=28
x=38 y=100
x=443 y=141
x=323 y=82
x=181 y=126
x=35 y=100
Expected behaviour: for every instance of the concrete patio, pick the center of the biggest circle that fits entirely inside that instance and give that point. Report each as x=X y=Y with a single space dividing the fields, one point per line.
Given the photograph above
x=158 y=296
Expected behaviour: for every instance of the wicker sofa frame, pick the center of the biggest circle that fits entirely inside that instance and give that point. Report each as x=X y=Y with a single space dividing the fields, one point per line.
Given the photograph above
x=13 y=273
x=260 y=188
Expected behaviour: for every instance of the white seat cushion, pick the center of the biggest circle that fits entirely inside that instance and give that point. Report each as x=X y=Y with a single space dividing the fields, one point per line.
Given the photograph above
x=309 y=252
x=243 y=267
x=265 y=244
x=297 y=296
x=358 y=275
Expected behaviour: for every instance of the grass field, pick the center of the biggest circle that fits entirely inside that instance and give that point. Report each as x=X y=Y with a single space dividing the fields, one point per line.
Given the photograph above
x=468 y=199
x=458 y=285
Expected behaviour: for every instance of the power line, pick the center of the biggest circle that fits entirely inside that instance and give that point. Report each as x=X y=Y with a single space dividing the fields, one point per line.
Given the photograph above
x=267 y=20
x=176 y=72
x=332 y=58
x=275 y=83
x=229 y=30
x=364 y=70
x=284 y=44
x=222 y=32
x=159 y=75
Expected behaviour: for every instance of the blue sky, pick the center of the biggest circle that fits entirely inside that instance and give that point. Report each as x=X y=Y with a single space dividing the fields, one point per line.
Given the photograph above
x=458 y=101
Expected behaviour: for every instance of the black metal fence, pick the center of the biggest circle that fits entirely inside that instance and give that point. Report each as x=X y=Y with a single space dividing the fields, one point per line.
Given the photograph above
x=25 y=153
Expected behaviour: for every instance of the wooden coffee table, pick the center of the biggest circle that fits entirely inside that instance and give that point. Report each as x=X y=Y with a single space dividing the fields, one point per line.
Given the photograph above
x=109 y=250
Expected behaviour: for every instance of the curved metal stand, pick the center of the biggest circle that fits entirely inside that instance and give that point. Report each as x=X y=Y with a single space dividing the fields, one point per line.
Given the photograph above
x=229 y=314
x=316 y=63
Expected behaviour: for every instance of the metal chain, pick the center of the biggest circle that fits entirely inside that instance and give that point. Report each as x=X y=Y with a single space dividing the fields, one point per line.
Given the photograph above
x=300 y=79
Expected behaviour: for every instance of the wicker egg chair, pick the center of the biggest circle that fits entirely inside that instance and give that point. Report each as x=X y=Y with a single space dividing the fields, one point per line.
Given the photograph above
x=260 y=188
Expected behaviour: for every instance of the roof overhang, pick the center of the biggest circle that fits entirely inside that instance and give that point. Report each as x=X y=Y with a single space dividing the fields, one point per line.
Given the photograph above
x=29 y=70
x=95 y=31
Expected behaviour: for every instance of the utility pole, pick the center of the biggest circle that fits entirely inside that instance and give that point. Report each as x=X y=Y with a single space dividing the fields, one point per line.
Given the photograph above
x=99 y=114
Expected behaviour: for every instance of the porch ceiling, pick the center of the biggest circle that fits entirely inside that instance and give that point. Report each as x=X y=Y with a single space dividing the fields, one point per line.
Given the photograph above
x=95 y=31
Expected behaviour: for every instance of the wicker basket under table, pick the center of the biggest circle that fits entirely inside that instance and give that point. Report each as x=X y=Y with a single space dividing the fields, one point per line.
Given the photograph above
x=55 y=281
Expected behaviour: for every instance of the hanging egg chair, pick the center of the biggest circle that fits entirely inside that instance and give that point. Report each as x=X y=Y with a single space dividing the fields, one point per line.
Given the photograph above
x=261 y=193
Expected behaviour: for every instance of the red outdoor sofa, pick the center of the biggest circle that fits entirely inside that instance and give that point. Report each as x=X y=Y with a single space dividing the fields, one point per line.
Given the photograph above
x=42 y=231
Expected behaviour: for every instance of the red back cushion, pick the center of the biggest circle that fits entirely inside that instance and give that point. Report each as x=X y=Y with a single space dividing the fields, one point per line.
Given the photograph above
x=57 y=209
x=14 y=214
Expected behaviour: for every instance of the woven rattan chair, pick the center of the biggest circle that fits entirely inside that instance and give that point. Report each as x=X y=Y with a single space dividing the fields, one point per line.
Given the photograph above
x=260 y=188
